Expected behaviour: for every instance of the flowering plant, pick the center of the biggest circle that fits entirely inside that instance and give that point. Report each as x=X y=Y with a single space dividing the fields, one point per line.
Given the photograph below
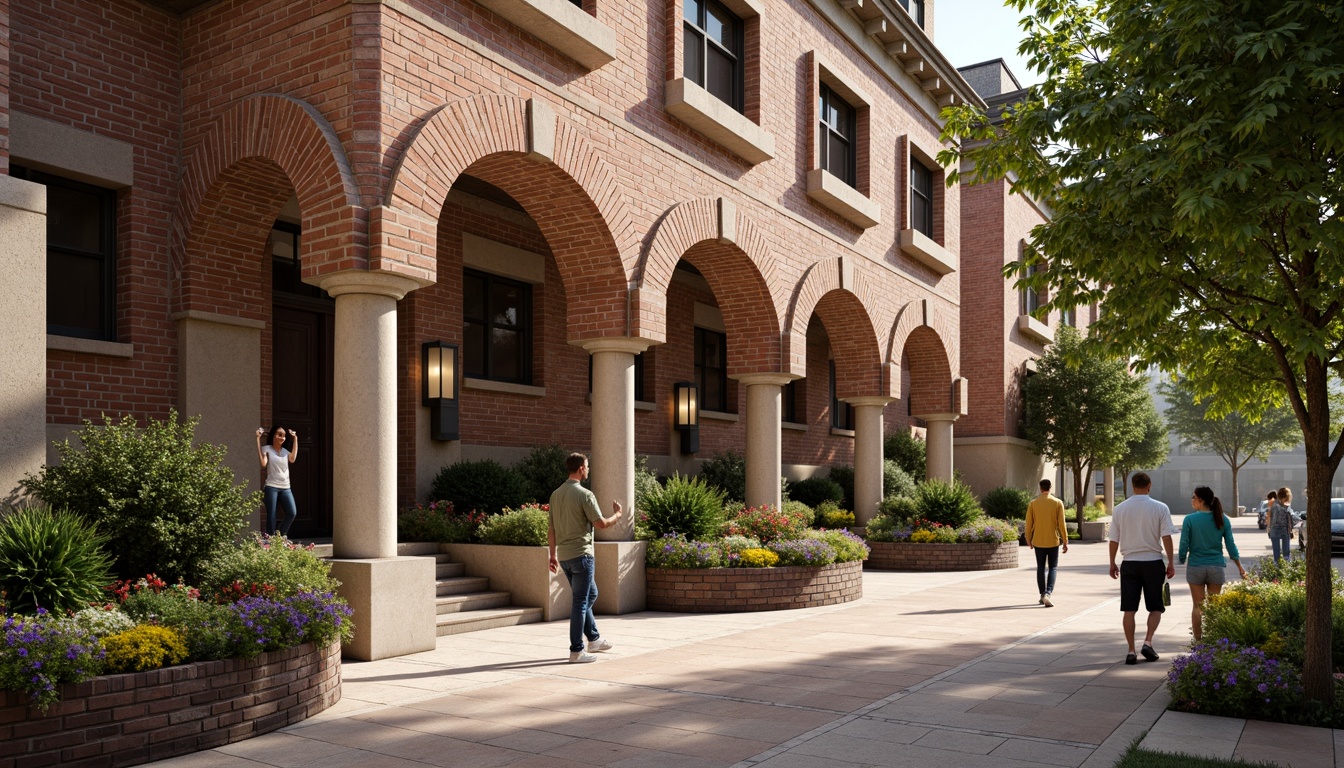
x=438 y=521
x=847 y=546
x=768 y=523
x=143 y=647
x=732 y=547
x=261 y=624
x=101 y=621
x=525 y=526
x=755 y=558
x=326 y=617
x=674 y=551
x=40 y=653
x=246 y=569
x=123 y=590
x=803 y=552
x=987 y=530
x=1232 y=680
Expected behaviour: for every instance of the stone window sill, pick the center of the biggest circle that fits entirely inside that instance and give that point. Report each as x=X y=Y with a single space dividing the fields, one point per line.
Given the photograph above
x=724 y=125
x=838 y=432
x=1035 y=329
x=718 y=416
x=563 y=26
x=792 y=426
x=90 y=346
x=923 y=249
x=842 y=199
x=503 y=386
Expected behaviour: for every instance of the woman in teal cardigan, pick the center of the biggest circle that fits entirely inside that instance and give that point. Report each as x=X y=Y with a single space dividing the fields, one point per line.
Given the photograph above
x=1203 y=535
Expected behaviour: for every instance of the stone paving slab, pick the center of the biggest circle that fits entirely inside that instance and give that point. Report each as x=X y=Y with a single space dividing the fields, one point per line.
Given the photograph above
x=960 y=670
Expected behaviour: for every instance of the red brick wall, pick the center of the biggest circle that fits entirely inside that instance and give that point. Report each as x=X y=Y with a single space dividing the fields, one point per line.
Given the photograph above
x=4 y=86
x=904 y=556
x=739 y=590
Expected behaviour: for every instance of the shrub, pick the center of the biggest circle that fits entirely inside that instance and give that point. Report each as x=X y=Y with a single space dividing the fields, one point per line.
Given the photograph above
x=987 y=530
x=896 y=481
x=438 y=522
x=525 y=526
x=260 y=560
x=726 y=471
x=937 y=534
x=768 y=524
x=1005 y=503
x=674 y=551
x=883 y=528
x=830 y=516
x=144 y=647
x=847 y=546
x=814 y=490
x=733 y=544
x=166 y=505
x=325 y=617
x=1231 y=680
x=899 y=509
x=951 y=504
x=259 y=624
x=485 y=486
x=843 y=475
x=53 y=560
x=203 y=625
x=909 y=452
x=687 y=506
x=40 y=653
x=101 y=621
x=755 y=558
x=792 y=507
x=543 y=470
x=646 y=482
x=810 y=552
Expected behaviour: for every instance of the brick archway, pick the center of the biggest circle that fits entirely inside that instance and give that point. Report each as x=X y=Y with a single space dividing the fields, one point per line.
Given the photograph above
x=548 y=167
x=729 y=250
x=839 y=295
x=925 y=338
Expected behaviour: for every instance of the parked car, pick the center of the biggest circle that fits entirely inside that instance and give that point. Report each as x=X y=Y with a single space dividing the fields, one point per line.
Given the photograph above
x=1261 y=515
x=1336 y=527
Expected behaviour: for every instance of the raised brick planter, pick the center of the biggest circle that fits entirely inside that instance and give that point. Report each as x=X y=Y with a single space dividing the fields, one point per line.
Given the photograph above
x=734 y=590
x=135 y=718
x=904 y=556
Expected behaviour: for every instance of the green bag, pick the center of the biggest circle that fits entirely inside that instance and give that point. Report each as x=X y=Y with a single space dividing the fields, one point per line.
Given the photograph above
x=1166 y=593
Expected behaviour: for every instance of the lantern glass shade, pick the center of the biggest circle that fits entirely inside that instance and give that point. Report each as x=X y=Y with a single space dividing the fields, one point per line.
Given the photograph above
x=688 y=406
x=440 y=371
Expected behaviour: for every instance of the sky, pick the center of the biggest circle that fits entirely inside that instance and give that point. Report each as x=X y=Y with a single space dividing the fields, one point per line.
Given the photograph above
x=971 y=31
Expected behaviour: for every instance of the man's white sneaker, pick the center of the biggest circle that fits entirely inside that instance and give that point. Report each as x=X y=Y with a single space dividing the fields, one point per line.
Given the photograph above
x=579 y=657
x=599 y=645
x=1046 y=602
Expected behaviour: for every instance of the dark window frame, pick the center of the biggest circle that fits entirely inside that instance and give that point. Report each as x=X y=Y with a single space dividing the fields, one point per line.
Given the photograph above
x=523 y=328
x=702 y=371
x=921 y=191
x=639 y=377
x=106 y=255
x=1031 y=298
x=793 y=402
x=828 y=99
x=696 y=31
x=842 y=413
x=916 y=12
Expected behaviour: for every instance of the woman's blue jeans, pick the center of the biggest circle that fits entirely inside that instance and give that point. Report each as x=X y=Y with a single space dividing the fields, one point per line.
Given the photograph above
x=584 y=586
x=285 y=498
x=1281 y=542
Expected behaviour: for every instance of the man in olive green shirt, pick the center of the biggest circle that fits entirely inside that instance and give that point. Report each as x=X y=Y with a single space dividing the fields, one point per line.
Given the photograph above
x=574 y=514
x=1045 y=532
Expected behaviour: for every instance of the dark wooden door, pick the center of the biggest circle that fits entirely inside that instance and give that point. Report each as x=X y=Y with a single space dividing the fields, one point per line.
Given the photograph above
x=301 y=375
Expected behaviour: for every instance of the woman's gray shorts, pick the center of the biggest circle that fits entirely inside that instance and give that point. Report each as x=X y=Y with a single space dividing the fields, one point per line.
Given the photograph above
x=1205 y=574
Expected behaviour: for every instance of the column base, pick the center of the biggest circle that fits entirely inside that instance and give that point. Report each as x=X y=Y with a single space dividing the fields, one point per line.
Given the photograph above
x=393 y=600
x=620 y=577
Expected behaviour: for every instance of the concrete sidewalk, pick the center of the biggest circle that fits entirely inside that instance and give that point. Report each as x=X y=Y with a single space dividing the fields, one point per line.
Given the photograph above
x=945 y=669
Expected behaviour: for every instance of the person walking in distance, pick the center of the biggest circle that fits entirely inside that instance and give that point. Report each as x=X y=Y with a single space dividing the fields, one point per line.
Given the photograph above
x=275 y=459
x=1281 y=521
x=1141 y=529
x=574 y=514
x=1045 y=533
x=1203 y=535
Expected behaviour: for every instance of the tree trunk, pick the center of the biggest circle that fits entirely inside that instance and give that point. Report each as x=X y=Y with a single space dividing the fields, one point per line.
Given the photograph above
x=1317 y=669
x=1078 y=494
x=1235 y=470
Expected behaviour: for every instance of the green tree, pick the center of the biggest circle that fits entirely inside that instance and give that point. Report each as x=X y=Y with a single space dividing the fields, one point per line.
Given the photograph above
x=1190 y=153
x=1236 y=437
x=1081 y=408
x=1149 y=449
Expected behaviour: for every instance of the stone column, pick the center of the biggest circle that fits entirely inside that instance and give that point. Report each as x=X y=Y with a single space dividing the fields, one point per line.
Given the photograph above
x=867 y=455
x=764 y=452
x=1108 y=494
x=392 y=596
x=938 y=445
x=619 y=559
x=23 y=315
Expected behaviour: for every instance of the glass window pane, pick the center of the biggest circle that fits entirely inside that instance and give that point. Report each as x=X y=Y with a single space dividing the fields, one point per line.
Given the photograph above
x=720 y=24
x=693 y=67
x=74 y=291
x=473 y=349
x=506 y=354
x=473 y=298
x=74 y=218
x=721 y=77
x=837 y=154
x=844 y=119
x=505 y=299
x=691 y=11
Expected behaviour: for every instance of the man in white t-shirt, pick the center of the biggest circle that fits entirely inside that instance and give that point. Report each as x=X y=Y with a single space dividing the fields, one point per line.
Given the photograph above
x=1141 y=529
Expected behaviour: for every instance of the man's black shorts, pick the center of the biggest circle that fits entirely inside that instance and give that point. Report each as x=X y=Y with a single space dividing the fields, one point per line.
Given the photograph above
x=1142 y=576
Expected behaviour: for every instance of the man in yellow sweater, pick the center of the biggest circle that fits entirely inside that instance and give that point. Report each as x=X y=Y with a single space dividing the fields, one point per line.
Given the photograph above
x=1046 y=533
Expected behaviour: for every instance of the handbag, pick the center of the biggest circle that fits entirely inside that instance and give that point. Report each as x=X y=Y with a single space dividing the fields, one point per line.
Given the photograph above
x=1166 y=593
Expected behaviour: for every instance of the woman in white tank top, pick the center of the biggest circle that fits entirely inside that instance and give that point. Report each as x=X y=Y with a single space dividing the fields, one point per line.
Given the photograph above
x=275 y=459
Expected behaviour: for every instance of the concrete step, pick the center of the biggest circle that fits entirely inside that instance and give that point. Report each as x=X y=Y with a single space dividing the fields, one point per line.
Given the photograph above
x=446 y=570
x=460 y=585
x=490 y=618
x=474 y=601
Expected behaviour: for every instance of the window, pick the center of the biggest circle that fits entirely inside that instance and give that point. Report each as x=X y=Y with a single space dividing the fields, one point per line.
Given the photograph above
x=921 y=198
x=1068 y=317
x=711 y=369
x=496 y=328
x=1031 y=299
x=916 y=9
x=793 y=403
x=713 y=50
x=639 y=377
x=836 y=136
x=81 y=256
x=842 y=413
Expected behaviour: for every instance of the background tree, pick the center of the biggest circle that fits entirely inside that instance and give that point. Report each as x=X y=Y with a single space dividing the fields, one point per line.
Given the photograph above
x=1149 y=449
x=1236 y=437
x=1190 y=153
x=1081 y=408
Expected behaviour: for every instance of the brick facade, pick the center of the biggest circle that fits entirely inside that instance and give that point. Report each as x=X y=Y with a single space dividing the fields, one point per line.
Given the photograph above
x=904 y=556
x=717 y=590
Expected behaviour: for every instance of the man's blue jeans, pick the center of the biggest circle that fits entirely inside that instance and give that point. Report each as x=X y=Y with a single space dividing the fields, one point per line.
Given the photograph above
x=1046 y=556
x=584 y=586
x=284 y=498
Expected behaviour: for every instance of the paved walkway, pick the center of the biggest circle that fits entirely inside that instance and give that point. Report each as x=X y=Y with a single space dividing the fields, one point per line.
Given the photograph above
x=947 y=669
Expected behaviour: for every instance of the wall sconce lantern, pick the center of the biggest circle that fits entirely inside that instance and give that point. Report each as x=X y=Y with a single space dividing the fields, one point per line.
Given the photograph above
x=438 y=391
x=687 y=403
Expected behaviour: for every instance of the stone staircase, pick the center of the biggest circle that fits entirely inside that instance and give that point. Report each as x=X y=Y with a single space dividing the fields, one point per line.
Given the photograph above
x=466 y=604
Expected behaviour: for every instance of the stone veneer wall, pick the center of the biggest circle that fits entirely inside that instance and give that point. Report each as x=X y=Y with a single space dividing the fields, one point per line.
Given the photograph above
x=904 y=556
x=129 y=719
x=733 y=590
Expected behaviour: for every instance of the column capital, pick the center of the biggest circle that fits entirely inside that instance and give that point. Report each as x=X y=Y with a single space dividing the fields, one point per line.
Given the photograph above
x=362 y=281
x=880 y=401
x=777 y=379
x=938 y=416
x=632 y=344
